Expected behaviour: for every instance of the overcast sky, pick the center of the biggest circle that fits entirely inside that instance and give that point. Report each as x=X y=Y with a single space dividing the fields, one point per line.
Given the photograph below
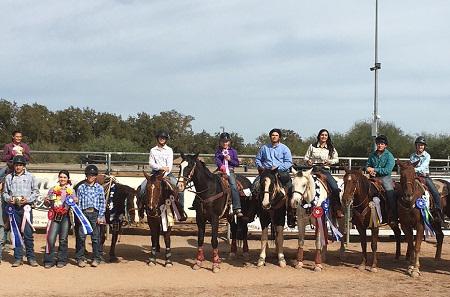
x=247 y=65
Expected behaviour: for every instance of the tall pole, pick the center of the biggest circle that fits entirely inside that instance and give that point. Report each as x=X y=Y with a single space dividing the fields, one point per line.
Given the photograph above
x=375 y=68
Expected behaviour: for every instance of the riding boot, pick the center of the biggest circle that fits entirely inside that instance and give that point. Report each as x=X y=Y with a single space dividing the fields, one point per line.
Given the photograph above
x=337 y=205
x=195 y=204
x=392 y=213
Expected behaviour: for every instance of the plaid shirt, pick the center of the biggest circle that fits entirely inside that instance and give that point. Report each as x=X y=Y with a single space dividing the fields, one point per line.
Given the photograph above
x=21 y=185
x=92 y=196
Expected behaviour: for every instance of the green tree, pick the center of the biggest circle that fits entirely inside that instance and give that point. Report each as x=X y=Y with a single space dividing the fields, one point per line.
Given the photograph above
x=8 y=120
x=36 y=123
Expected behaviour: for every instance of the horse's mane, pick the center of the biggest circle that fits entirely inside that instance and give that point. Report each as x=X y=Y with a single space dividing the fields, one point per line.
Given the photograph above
x=207 y=171
x=362 y=178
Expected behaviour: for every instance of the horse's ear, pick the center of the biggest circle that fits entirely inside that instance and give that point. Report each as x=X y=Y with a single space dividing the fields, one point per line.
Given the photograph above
x=415 y=163
x=294 y=171
x=182 y=156
x=147 y=176
x=308 y=172
x=346 y=170
x=196 y=156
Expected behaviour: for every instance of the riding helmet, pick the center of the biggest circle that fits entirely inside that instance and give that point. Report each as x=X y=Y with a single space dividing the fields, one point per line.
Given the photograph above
x=420 y=140
x=19 y=159
x=162 y=134
x=225 y=136
x=91 y=170
x=381 y=139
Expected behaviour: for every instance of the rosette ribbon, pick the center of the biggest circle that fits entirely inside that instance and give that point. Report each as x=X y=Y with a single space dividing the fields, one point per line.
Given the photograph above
x=26 y=218
x=16 y=237
x=334 y=230
x=87 y=228
x=318 y=213
x=426 y=215
x=377 y=201
x=227 y=169
x=166 y=213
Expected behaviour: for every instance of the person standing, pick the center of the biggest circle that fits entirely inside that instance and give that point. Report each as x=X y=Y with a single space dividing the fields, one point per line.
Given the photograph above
x=20 y=192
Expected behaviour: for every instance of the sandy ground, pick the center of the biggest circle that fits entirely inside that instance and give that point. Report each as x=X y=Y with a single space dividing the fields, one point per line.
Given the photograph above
x=132 y=276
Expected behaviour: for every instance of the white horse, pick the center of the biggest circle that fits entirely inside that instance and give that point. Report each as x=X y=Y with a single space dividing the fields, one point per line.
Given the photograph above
x=310 y=193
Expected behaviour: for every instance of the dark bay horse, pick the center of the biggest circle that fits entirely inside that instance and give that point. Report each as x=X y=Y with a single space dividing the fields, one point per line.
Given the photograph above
x=359 y=190
x=413 y=214
x=213 y=205
x=162 y=210
x=119 y=212
x=271 y=211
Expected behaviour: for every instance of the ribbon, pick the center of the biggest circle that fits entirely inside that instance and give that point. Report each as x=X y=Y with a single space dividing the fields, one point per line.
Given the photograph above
x=373 y=221
x=26 y=218
x=50 y=216
x=167 y=217
x=87 y=228
x=225 y=153
x=318 y=213
x=16 y=237
x=421 y=204
x=334 y=230
x=377 y=203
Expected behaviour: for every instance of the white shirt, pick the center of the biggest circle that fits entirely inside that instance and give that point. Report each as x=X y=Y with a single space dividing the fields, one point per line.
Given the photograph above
x=321 y=155
x=161 y=157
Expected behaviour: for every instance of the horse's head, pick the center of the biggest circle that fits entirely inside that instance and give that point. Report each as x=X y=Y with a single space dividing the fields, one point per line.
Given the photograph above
x=155 y=192
x=407 y=179
x=352 y=183
x=302 y=187
x=268 y=187
x=187 y=169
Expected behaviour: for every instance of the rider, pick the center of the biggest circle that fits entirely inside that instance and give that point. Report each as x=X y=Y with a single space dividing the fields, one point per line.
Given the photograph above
x=15 y=147
x=379 y=166
x=275 y=155
x=324 y=154
x=422 y=170
x=226 y=160
x=161 y=158
x=21 y=190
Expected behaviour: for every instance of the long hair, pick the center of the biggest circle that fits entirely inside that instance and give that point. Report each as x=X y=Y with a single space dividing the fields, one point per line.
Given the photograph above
x=330 y=146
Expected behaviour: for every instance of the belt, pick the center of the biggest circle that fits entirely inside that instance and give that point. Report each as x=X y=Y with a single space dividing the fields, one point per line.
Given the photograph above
x=90 y=209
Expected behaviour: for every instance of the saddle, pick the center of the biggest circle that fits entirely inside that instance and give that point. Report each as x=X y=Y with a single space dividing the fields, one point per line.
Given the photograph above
x=226 y=184
x=323 y=180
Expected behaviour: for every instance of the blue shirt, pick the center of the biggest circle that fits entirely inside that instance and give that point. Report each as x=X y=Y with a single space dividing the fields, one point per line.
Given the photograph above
x=278 y=156
x=21 y=185
x=92 y=196
x=422 y=167
x=383 y=164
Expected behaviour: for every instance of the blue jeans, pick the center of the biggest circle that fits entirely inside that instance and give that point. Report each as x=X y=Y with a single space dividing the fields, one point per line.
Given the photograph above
x=172 y=180
x=235 y=197
x=331 y=182
x=434 y=192
x=61 y=229
x=390 y=195
x=28 y=238
x=95 y=238
x=2 y=229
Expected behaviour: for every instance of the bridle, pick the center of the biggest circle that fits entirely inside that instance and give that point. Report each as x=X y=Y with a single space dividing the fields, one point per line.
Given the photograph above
x=189 y=178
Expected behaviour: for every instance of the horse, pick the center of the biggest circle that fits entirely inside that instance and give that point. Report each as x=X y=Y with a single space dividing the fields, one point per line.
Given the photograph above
x=161 y=209
x=443 y=187
x=272 y=210
x=367 y=213
x=309 y=198
x=119 y=210
x=414 y=214
x=212 y=196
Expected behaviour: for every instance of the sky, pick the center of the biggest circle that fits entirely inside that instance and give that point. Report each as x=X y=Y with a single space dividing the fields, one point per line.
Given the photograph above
x=246 y=65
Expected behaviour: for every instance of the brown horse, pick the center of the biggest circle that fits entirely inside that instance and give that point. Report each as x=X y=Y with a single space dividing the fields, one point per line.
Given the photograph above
x=161 y=209
x=411 y=217
x=359 y=190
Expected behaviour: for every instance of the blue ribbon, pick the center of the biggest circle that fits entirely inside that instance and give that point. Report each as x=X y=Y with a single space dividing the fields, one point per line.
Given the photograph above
x=87 y=228
x=15 y=231
x=334 y=231
x=422 y=206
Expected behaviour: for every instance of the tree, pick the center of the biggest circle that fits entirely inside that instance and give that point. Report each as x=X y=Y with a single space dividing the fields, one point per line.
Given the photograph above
x=8 y=120
x=36 y=123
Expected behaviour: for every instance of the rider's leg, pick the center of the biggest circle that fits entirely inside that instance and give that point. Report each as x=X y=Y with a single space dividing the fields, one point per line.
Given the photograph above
x=391 y=199
x=143 y=188
x=236 y=198
x=334 y=199
x=434 y=192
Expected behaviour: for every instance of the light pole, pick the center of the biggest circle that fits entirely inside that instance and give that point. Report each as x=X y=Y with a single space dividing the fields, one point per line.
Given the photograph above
x=223 y=128
x=376 y=67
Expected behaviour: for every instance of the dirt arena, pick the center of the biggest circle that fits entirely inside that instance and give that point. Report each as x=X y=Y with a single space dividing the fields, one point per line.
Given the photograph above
x=132 y=276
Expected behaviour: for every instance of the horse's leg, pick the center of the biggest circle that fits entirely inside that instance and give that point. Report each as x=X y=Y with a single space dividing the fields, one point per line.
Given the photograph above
x=215 y=243
x=245 y=249
x=318 y=255
x=398 y=240
x=439 y=241
x=409 y=237
x=342 y=229
x=264 y=240
x=363 y=239
x=374 y=249
x=153 y=223
x=200 y=239
x=233 y=229
x=419 y=238
x=168 y=262
x=112 y=250
x=301 y=213
x=280 y=252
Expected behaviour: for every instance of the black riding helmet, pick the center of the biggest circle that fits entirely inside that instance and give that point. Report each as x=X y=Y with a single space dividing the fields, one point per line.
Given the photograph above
x=381 y=139
x=225 y=136
x=91 y=170
x=19 y=159
x=162 y=134
x=420 y=140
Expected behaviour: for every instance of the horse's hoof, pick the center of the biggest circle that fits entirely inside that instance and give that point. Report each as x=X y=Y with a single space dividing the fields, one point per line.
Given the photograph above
x=362 y=267
x=299 y=265
x=151 y=263
x=317 y=269
x=415 y=274
x=373 y=269
x=232 y=255
x=216 y=269
x=410 y=269
x=282 y=263
x=197 y=266
x=114 y=260
x=246 y=256
x=168 y=265
x=261 y=262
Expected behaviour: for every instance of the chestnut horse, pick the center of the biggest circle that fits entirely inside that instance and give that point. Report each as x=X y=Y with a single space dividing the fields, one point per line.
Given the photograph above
x=414 y=214
x=361 y=192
